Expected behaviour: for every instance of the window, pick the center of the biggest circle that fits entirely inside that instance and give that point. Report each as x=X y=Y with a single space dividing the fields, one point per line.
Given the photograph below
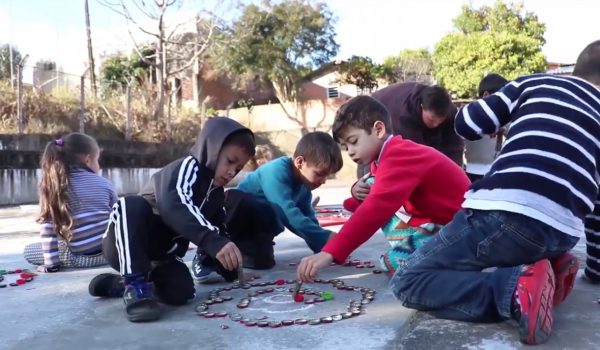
x=333 y=92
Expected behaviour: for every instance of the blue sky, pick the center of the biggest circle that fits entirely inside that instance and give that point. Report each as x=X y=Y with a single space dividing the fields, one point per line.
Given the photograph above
x=376 y=28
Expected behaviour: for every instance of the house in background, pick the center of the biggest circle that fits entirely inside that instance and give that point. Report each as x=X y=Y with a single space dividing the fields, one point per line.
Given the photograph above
x=220 y=92
x=560 y=68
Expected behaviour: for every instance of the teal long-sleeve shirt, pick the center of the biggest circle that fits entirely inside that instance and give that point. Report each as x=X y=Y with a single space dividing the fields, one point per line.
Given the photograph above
x=274 y=183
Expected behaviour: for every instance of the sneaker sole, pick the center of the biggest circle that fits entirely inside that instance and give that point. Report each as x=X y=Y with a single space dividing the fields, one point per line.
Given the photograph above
x=538 y=330
x=210 y=279
x=148 y=315
x=565 y=271
x=144 y=318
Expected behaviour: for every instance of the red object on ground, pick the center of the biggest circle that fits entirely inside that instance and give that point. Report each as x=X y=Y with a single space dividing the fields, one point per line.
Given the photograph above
x=280 y=282
x=26 y=275
x=332 y=215
x=20 y=281
x=299 y=298
x=17 y=270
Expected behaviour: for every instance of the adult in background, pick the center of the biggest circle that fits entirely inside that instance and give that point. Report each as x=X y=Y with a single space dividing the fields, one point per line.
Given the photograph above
x=480 y=154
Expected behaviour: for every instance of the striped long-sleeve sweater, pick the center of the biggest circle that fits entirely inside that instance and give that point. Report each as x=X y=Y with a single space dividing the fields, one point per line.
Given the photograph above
x=548 y=168
x=90 y=200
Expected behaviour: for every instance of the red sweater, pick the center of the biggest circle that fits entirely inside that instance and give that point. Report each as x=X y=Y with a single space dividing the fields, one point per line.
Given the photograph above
x=428 y=184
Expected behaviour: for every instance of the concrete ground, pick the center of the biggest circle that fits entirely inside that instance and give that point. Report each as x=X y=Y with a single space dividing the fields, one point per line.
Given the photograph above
x=55 y=310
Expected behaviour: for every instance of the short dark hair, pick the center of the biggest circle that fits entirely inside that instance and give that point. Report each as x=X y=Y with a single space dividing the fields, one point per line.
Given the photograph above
x=491 y=83
x=588 y=63
x=436 y=99
x=361 y=112
x=319 y=148
x=243 y=138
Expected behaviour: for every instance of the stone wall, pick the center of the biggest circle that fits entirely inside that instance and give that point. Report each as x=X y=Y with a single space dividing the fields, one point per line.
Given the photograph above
x=23 y=152
x=128 y=165
x=20 y=186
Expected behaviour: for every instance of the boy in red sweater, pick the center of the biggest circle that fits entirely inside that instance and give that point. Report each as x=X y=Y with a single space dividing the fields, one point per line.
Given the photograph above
x=416 y=189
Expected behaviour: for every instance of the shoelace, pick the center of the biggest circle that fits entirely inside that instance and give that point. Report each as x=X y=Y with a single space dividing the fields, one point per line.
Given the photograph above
x=142 y=289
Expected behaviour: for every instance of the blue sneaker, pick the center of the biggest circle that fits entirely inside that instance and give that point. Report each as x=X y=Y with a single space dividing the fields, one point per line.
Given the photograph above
x=139 y=304
x=204 y=271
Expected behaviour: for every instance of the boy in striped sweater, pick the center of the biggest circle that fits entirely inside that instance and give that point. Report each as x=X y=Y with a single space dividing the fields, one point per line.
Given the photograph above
x=530 y=207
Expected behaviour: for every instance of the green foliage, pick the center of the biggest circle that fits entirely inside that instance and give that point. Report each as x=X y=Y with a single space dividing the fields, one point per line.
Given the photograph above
x=5 y=61
x=277 y=44
x=360 y=71
x=500 y=39
x=409 y=65
x=118 y=70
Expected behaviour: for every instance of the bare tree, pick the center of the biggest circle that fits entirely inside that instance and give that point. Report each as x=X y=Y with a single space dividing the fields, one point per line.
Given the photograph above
x=90 y=51
x=177 y=45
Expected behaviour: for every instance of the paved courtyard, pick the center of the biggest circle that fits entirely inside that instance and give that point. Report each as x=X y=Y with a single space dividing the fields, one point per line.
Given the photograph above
x=55 y=310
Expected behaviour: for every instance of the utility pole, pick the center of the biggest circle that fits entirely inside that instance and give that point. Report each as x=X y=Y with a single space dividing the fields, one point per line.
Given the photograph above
x=12 y=66
x=10 y=48
x=82 y=104
x=128 y=111
x=20 y=113
x=90 y=51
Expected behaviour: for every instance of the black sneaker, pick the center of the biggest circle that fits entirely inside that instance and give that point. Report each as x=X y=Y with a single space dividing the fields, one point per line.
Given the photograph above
x=107 y=285
x=204 y=271
x=590 y=277
x=139 y=305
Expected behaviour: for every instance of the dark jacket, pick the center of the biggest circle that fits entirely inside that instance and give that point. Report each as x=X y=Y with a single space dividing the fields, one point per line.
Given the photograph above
x=403 y=102
x=182 y=193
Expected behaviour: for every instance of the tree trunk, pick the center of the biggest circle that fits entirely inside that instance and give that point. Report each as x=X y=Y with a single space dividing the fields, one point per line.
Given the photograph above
x=90 y=51
x=161 y=71
x=283 y=97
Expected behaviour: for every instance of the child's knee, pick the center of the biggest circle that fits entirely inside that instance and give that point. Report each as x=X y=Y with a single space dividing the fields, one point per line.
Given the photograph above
x=134 y=206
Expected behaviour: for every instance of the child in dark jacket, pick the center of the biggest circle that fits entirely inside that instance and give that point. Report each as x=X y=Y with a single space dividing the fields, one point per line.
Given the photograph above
x=276 y=196
x=149 y=234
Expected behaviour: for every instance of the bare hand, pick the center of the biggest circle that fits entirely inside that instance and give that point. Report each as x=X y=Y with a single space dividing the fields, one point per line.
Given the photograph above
x=230 y=256
x=361 y=189
x=498 y=133
x=310 y=266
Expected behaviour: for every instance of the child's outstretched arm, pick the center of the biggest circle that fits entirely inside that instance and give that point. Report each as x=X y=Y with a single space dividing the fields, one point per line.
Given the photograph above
x=389 y=192
x=277 y=189
x=487 y=115
x=174 y=197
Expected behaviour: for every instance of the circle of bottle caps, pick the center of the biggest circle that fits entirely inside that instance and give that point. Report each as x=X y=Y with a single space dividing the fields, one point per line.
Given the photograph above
x=355 y=307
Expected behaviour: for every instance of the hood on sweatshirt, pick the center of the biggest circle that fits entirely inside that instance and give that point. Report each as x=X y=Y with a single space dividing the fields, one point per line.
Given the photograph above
x=211 y=139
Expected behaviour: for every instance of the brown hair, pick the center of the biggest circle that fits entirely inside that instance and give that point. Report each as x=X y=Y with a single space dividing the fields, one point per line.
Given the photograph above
x=360 y=112
x=319 y=148
x=263 y=155
x=59 y=157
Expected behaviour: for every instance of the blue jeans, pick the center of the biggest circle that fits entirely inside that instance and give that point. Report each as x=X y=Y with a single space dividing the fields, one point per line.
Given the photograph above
x=444 y=277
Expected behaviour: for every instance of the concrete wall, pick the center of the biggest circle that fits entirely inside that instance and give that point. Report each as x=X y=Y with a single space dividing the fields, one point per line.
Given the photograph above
x=24 y=152
x=20 y=186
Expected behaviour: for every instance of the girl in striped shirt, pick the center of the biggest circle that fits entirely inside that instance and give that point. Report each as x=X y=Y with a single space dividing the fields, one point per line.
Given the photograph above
x=75 y=203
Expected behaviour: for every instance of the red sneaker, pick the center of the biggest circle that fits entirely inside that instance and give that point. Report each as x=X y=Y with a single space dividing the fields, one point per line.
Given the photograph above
x=534 y=298
x=565 y=270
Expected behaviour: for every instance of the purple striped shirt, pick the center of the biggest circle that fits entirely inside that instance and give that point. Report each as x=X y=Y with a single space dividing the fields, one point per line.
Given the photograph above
x=90 y=200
